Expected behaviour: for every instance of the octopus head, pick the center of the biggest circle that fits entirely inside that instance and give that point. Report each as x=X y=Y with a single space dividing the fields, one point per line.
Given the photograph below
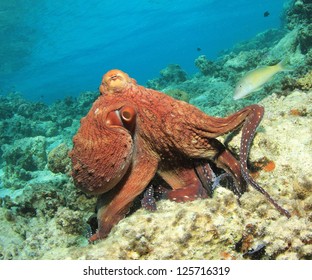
x=103 y=148
x=115 y=81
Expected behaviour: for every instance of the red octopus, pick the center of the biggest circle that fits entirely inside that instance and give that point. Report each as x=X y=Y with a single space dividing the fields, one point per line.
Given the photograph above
x=132 y=132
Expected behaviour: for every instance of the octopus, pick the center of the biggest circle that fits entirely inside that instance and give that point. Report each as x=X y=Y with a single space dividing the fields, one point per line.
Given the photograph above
x=133 y=133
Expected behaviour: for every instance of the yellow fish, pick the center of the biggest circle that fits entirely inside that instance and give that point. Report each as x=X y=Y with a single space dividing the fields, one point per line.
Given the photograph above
x=255 y=79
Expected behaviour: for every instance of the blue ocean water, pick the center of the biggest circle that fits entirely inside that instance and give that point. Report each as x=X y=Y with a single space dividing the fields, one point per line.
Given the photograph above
x=51 y=48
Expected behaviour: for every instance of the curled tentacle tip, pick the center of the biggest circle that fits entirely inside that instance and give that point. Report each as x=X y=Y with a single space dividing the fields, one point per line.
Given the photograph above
x=93 y=238
x=149 y=203
x=286 y=213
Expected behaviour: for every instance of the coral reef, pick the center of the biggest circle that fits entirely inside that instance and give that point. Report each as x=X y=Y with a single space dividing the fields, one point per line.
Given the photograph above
x=35 y=136
x=308 y=58
x=305 y=38
x=71 y=222
x=21 y=158
x=46 y=215
x=245 y=60
x=298 y=13
x=264 y=40
x=58 y=160
x=170 y=75
x=205 y=66
x=305 y=83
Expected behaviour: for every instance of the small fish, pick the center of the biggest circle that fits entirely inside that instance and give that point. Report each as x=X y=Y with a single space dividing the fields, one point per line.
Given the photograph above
x=255 y=79
x=266 y=14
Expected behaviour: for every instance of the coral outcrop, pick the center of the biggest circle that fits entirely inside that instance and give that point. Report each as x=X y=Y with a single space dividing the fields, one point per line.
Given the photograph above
x=170 y=75
x=58 y=159
x=205 y=66
x=298 y=13
x=21 y=158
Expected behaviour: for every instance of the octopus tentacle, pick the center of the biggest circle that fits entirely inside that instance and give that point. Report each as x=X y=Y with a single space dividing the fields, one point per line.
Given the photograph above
x=185 y=183
x=248 y=133
x=219 y=179
x=253 y=183
x=148 y=201
x=226 y=161
x=206 y=176
x=231 y=165
x=140 y=174
x=90 y=170
x=213 y=127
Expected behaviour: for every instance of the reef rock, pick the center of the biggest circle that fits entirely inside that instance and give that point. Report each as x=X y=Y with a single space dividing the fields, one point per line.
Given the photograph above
x=23 y=157
x=58 y=160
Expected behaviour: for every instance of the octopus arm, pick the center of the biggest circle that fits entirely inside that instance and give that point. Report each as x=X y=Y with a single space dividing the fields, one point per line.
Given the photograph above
x=213 y=127
x=143 y=169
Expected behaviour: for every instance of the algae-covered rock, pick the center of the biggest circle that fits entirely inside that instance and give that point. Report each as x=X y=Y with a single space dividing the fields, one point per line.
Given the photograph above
x=205 y=66
x=298 y=13
x=305 y=38
x=175 y=231
x=172 y=74
x=305 y=83
x=23 y=157
x=10 y=242
x=70 y=221
x=58 y=160
x=245 y=60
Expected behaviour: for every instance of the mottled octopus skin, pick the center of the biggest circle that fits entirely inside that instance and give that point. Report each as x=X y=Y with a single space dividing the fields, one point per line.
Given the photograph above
x=131 y=133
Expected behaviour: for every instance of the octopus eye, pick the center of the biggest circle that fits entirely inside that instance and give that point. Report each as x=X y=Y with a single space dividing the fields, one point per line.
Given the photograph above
x=113 y=119
x=124 y=117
